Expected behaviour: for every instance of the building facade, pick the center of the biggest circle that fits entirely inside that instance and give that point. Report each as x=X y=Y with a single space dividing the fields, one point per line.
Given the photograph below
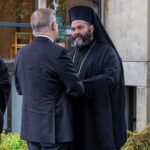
x=127 y=23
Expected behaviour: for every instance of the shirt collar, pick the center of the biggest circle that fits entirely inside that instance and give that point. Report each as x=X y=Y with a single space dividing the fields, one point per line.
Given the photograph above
x=45 y=36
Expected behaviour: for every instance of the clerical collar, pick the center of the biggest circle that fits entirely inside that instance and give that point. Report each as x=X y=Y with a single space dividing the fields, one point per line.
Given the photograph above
x=46 y=37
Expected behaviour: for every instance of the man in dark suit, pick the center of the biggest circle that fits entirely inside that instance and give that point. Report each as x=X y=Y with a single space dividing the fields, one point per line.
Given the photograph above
x=4 y=91
x=45 y=76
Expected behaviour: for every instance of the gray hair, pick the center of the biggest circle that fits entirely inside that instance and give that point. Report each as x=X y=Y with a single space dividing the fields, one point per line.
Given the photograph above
x=41 y=20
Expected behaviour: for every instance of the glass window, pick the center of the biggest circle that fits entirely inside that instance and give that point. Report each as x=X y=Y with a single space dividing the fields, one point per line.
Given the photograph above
x=62 y=6
x=15 y=17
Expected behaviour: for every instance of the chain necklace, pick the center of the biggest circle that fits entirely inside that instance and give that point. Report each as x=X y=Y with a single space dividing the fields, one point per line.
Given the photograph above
x=82 y=62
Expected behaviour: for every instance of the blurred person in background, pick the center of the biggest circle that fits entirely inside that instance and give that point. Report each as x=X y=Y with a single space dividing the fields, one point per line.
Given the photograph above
x=5 y=85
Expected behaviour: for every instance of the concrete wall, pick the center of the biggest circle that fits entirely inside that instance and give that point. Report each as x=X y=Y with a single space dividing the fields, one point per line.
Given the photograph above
x=127 y=23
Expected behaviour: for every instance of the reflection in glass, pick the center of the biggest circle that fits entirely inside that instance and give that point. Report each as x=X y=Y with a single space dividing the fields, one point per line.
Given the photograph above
x=13 y=11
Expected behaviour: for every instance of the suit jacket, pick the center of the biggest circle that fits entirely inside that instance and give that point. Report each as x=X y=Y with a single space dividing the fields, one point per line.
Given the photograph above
x=45 y=76
x=4 y=90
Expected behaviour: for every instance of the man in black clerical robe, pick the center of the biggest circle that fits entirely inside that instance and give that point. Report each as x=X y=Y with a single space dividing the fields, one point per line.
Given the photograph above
x=99 y=116
x=4 y=91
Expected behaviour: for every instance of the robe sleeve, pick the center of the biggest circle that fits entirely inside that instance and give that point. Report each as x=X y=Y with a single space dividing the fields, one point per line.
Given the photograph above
x=5 y=86
x=107 y=95
x=110 y=74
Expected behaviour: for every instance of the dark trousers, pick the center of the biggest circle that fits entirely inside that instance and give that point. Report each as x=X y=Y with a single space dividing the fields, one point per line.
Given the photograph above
x=45 y=146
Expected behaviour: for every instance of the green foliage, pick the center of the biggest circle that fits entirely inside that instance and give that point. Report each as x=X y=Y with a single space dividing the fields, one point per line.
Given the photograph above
x=11 y=141
x=138 y=140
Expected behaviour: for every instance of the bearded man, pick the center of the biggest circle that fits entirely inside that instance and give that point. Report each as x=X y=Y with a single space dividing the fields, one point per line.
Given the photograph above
x=99 y=115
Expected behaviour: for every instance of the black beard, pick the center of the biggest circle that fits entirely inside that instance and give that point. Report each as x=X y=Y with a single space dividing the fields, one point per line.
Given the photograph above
x=82 y=41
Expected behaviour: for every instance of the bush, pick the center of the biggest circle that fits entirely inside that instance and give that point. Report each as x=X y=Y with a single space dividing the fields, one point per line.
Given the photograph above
x=11 y=141
x=138 y=140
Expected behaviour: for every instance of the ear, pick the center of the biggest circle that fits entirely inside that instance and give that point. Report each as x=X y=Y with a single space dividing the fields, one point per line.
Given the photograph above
x=54 y=26
x=91 y=28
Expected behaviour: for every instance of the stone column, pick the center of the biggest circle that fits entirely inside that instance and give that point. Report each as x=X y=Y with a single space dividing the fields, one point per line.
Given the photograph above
x=42 y=3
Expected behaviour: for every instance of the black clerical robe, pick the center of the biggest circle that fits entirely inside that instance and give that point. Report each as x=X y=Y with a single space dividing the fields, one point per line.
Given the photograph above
x=4 y=90
x=99 y=119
